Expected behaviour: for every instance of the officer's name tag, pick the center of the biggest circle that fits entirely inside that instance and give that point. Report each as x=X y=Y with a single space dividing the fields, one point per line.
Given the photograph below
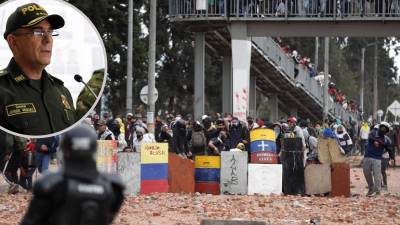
x=21 y=108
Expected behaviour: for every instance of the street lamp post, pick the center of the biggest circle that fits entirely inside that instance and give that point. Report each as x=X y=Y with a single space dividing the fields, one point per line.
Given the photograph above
x=375 y=78
x=362 y=81
x=326 y=78
x=129 y=70
x=152 y=66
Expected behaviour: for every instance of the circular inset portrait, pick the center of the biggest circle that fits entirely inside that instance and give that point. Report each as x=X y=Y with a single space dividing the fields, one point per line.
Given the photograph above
x=53 y=65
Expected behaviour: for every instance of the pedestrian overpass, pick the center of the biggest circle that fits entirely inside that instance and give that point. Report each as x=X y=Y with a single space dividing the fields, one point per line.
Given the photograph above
x=240 y=31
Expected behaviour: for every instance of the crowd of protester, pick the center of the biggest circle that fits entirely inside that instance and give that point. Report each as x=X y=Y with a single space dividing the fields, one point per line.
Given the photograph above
x=210 y=135
x=378 y=143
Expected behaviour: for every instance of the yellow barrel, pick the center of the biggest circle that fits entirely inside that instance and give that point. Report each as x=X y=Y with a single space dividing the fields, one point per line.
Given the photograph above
x=262 y=135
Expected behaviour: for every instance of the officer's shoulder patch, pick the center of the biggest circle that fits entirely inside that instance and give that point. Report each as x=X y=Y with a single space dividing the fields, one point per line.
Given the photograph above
x=55 y=79
x=3 y=72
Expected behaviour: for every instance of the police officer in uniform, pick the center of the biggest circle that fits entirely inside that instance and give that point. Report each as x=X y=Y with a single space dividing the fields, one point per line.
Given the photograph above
x=32 y=101
x=78 y=194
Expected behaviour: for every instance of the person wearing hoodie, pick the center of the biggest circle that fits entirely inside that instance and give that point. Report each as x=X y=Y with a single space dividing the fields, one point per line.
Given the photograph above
x=344 y=139
x=142 y=137
x=237 y=133
x=294 y=130
x=198 y=142
x=210 y=131
x=377 y=144
x=165 y=136
x=218 y=144
x=179 y=137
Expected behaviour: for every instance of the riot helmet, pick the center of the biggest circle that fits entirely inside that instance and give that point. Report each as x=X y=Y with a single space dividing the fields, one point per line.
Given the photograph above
x=80 y=143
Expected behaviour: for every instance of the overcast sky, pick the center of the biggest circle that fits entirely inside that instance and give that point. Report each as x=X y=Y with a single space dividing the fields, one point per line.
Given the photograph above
x=78 y=49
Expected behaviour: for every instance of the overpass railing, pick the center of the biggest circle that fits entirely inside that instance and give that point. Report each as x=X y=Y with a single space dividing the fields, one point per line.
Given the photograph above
x=285 y=64
x=306 y=9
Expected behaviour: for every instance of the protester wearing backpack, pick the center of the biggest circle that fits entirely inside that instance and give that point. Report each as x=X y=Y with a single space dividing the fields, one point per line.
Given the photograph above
x=198 y=140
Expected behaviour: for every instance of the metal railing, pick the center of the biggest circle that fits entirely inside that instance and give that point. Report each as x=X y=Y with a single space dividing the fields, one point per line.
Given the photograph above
x=197 y=8
x=285 y=65
x=306 y=9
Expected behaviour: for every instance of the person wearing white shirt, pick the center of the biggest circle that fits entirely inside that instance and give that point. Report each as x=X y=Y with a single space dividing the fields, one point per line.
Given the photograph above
x=141 y=138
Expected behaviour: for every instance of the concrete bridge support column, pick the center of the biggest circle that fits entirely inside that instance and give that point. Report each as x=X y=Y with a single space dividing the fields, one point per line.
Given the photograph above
x=227 y=84
x=253 y=97
x=273 y=102
x=199 y=59
x=241 y=57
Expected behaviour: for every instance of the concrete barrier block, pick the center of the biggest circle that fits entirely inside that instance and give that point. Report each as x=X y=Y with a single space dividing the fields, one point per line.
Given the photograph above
x=317 y=179
x=234 y=173
x=129 y=171
x=180 y=174
x=265 y=179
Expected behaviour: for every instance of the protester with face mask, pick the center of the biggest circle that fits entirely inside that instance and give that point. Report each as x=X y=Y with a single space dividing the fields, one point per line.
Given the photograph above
x=210 y=131
x=137 y=142
x=251 y=125
x=165 y=135
x=179 y=137
x=294 y=130
x=344 y=139
x=218 y=144
x=378 y=143
x=221 y=125
x=237 y=133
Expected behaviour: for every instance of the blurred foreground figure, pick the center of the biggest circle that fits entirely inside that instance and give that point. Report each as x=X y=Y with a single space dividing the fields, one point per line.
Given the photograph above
x=78 y=194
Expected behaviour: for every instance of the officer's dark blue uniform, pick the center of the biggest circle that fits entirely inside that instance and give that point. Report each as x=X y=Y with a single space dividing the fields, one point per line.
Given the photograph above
x=78 y=194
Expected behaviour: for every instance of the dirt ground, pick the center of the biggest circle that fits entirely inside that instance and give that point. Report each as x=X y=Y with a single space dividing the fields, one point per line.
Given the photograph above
x=185 y=209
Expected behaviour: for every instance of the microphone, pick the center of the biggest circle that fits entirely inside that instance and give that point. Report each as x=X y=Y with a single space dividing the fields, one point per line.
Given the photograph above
x=79 y=79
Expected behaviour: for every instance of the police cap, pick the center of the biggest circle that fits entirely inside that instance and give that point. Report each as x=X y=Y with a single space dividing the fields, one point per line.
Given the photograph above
x=29 y=15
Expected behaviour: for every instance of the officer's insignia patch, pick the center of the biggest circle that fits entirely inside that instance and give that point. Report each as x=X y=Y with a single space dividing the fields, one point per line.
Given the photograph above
x=3 y=72
x=21 y=108
x=19 y=78
x=65 y=102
